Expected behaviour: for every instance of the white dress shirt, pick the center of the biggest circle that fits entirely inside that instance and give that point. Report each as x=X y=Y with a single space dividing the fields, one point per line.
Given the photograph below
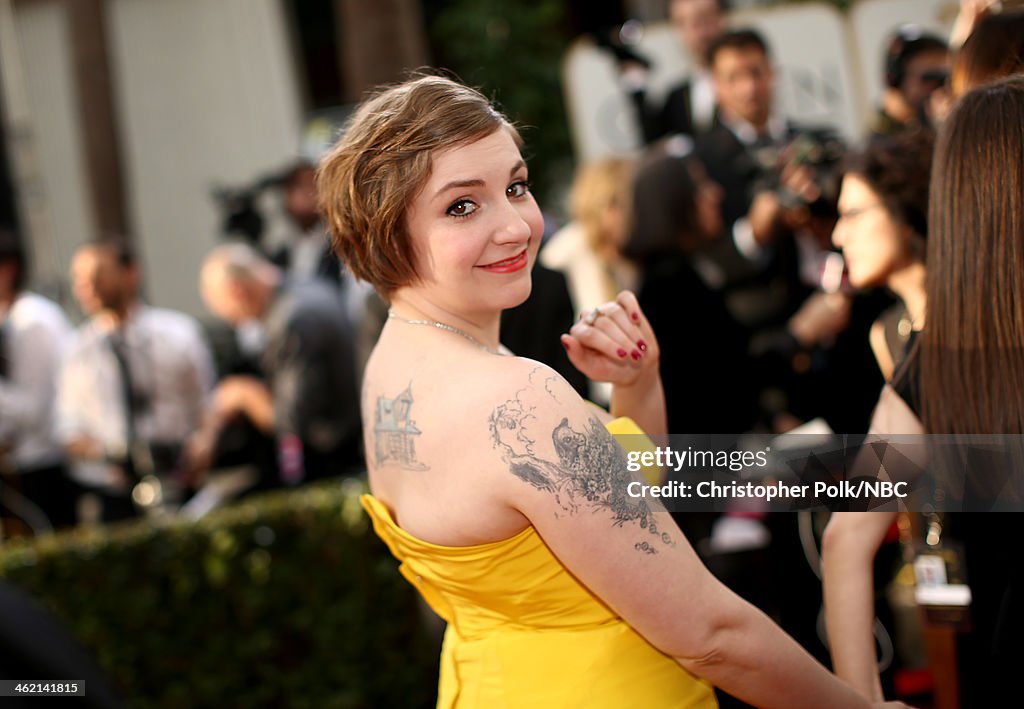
x=702 y=100
x=171 y=371
x=746 y=133
x=35 y=335
x=307 y=249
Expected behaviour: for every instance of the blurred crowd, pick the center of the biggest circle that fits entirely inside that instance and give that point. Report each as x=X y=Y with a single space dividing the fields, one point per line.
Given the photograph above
x=731 y=225
x=143 y=410
x=783 y=271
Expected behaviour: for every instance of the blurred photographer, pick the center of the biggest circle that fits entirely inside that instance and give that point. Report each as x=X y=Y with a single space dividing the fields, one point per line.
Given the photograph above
x=916 y=66
x=778 y=186
x=773 y=261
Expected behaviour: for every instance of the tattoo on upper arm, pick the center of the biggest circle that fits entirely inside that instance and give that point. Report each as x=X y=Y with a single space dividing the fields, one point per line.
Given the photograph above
x=394 y=432
x=588 y=468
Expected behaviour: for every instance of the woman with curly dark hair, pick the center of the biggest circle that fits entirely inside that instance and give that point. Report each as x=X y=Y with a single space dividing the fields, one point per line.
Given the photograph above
x=882 y=227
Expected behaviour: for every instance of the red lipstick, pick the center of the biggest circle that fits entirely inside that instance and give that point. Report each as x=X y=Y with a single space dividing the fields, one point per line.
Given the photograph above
x=509 y=265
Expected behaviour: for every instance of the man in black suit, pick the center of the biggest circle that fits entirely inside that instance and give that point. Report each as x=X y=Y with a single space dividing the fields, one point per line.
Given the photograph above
x=752 y=153
x=307 y=399
x=689 y=107
x=773 y=263
x=306 y=252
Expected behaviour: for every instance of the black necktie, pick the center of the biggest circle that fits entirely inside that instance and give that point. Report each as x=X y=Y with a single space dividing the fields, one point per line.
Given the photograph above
x=764 y=140
x=119 y=348
x=5 y=366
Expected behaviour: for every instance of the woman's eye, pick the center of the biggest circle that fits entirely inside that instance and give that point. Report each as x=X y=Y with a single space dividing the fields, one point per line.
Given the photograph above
x=518 y=189
x=462 y=208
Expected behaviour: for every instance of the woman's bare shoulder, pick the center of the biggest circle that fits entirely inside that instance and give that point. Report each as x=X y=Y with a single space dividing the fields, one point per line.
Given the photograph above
x=437 y=442
x=465 y=384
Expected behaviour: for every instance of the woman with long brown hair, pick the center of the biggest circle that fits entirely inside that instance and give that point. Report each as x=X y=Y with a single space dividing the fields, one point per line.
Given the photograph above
x=994 y=49
x=966 y=377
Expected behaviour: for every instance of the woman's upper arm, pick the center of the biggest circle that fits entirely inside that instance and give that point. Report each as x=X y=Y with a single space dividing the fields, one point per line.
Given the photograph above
x=848 y=550
x=905 y=455
x=851 y=535
x=600 y=414
x=562 y=469
x=892 y=415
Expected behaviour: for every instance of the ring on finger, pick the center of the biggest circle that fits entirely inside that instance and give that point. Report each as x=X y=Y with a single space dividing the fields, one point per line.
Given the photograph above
x=591 y=317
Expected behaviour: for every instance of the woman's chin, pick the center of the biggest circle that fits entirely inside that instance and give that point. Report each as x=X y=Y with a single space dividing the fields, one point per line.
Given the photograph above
x=862 y=281
x=519 y=295
x=522 y=295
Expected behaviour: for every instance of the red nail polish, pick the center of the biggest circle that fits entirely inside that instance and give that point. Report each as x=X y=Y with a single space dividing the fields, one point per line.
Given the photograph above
x=642 y=345
x=565 y=345
x=620 y=352
x=636 y=355
x=636 y=317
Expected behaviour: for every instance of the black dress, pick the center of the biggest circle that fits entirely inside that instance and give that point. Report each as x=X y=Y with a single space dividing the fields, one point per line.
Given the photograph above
x=712 y=386
x=991 y=653
x=709 y=385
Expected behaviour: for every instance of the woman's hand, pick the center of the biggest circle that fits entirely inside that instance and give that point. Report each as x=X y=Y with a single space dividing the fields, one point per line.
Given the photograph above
x=822 y=318
x=614 y=343
x=198 y=456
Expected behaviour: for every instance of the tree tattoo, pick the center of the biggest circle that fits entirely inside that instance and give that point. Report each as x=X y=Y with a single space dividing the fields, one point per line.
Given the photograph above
x=590 y=470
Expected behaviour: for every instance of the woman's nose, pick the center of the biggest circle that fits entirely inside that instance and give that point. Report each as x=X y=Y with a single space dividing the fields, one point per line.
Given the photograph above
x=513 y=226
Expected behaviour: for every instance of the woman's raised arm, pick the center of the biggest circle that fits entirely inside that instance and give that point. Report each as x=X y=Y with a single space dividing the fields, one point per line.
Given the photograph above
x=561 y=469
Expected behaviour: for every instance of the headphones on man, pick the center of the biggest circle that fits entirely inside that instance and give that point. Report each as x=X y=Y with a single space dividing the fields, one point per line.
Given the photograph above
x=905 y=43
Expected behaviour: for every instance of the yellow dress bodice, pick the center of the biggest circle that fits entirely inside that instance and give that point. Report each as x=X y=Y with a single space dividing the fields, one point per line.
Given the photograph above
x=523 y=632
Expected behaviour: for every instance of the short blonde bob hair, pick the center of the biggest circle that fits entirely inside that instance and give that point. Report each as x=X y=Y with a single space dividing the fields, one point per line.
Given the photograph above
x=371 y=175
x=599 y=186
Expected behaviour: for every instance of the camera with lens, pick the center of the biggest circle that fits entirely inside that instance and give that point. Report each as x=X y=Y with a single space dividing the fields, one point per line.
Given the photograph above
x=240 y=210
x=820 y=151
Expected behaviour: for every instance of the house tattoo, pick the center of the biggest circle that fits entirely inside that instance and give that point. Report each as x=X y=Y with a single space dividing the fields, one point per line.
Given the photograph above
x=394 y=432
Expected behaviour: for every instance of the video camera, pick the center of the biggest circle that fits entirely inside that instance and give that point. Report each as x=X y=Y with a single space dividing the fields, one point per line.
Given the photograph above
x=819 y=150
x=240 y=210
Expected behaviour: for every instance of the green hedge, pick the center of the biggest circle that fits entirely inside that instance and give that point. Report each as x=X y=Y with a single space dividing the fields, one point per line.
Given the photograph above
x=286 y=599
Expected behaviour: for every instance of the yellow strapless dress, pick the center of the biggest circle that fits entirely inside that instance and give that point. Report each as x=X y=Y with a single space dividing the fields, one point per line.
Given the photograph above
x=523 y=632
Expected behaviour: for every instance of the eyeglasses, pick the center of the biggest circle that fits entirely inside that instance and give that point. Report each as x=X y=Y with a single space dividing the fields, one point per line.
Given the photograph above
x=935 y=77
x=850 y=214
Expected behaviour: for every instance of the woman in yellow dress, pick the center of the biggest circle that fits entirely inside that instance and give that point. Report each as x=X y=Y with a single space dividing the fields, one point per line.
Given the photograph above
x=502 y=492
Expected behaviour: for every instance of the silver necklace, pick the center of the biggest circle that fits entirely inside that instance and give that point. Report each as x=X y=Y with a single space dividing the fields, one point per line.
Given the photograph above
x=392 y=315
